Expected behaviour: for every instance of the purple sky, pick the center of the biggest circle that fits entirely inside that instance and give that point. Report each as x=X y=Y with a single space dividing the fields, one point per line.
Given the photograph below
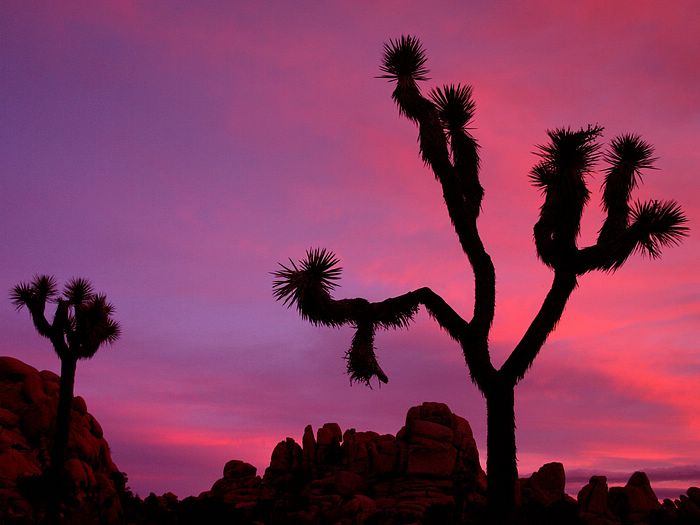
x=174 y=154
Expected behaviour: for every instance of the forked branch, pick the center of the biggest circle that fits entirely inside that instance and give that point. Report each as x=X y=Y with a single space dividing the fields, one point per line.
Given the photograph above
x=456 y=168
x=307 y=285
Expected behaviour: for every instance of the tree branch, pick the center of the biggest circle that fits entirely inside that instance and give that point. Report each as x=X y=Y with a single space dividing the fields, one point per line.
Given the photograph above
x=59 y=328
x=36 y=309
x=655 y=225
x=520 y=360
x=461 y=190
x=307 y=285
x=628 y=155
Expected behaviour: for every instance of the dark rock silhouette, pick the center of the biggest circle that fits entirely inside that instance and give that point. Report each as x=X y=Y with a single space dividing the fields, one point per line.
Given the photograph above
x=430 y=466
x=429 y=472
x=635 y=503
x=447 y=146
x=91 y=481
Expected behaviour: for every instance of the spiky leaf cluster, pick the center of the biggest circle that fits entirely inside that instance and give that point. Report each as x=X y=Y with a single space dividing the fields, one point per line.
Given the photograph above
x=404 y=58
x=91 y=325
x=565 y=161
x=40 y=290
x=82 y=321
x=361 y=359
x=658 y=224
x=566 y=158
x=307 y=285
x=627 y=156
x=455 y=106
x=78 y=291
x=631 y=149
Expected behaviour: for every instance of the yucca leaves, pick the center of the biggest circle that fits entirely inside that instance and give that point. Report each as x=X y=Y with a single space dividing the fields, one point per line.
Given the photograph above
x=446 y=146
x=404 y=58
x=361 y=359
x=658 y=225
x=455 y=105
x=565 y=161
x=38 y=291
x=78 y=291
x=308 y=285
x=627 y=156
x=94 y=326
x=82 y=321
x=34 y=295
x=566 y=158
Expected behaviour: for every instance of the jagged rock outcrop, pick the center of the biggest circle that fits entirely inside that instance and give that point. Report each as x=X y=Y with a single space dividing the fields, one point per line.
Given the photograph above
x=543 y=498
x=28 y=400
x=431 y=467
x=635 y=504
x=429 y=472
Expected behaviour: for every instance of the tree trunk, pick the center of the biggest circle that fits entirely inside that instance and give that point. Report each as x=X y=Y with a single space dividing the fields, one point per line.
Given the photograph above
x=60 y=443
x=65 y=401
x=501 y=467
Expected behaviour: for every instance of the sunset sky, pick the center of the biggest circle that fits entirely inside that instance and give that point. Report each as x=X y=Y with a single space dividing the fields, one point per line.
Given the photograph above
x=175 y=152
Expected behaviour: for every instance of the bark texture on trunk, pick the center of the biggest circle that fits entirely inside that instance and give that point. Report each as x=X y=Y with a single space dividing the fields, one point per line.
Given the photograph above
x=65 y=401
x=60 y=444
x=501 y=467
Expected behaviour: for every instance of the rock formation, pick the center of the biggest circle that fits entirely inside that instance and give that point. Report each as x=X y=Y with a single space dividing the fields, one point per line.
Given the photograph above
x=635 y=504
x=28 y=401
x=430 y=468
x=428 y=473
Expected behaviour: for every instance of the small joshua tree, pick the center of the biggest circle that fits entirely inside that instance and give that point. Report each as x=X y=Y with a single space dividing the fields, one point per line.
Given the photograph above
x=451 y=152
x=81 y=324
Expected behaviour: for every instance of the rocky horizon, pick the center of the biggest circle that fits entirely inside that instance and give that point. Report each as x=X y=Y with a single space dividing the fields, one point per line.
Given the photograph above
x=429 y=472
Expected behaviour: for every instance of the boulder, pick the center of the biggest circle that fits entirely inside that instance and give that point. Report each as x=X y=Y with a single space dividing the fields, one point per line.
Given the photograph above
x=27 y=420
x=308 y=443
x=328 y=439
x=348 y=483
x=329 y=434
x=437 y=460
x=694 y=495
x=593 y=502
x=384 y=455
x=688 y=509
x=546 y=486
x=15 y=464
x=429 y=470
x=421 y=429
x=236 y=469
x=359 y=509
x=286 y=457
x=240 y=487
x=355 y=452
x=641 y=498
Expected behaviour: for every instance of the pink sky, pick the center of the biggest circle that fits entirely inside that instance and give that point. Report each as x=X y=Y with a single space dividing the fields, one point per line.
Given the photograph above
x=174 y=154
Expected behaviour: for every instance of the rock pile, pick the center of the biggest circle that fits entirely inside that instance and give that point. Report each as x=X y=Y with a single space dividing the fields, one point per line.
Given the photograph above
x=430 y=468
x=428 y=473
x=635 y=504
x=28 y=400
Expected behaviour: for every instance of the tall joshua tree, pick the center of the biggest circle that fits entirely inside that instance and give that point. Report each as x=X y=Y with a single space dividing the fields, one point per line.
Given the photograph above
x=81 y=324
x=449 y=149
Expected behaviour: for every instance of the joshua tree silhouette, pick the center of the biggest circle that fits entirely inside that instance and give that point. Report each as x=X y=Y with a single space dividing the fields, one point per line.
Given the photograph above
x=451 y=152
x=81 y=324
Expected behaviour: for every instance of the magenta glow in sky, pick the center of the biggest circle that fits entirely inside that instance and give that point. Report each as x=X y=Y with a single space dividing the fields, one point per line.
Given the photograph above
x=173 y=154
